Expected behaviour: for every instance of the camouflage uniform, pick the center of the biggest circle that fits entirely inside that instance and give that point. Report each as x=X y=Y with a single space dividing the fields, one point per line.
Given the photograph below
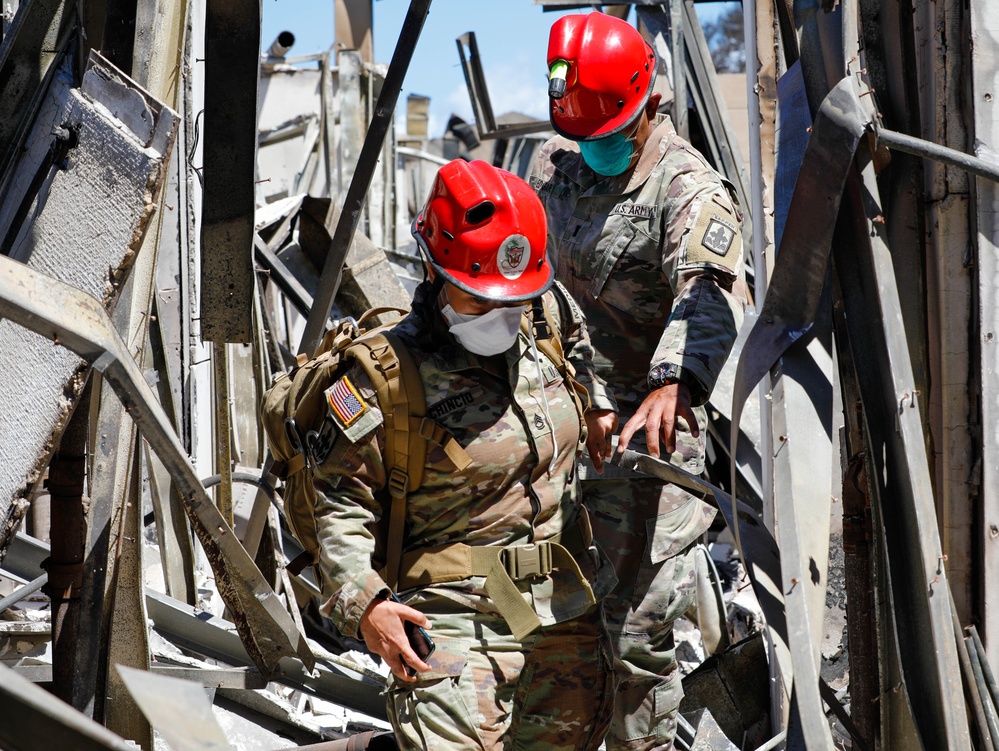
x=486 y=688
x=651 y=256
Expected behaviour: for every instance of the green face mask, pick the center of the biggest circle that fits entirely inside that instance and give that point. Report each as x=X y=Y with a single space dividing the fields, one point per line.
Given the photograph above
x=609 y=156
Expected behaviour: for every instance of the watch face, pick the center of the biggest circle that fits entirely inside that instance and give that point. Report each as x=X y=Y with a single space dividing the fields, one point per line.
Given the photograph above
x=660 y=374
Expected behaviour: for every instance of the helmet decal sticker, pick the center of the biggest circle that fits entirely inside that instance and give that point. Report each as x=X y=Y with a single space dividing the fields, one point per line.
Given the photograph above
x=512 y=257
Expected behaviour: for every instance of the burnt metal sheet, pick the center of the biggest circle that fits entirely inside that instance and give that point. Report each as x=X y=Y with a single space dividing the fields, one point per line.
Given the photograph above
x=900 y=480
x=985 y=30
x=789 y=312
x=279 y=273
x=368 y=280
x=77 y=321
x=36 y=708
x=329 y=281
x=247 y=678
x=26 y=556
x=178 y=709
x=678 y=49
x=211 y=636
x=232 y=55
x=746 y=451
x=796 y=286
x=28 y=53
x=107 y=192
x=127 y=640
x=116 y=621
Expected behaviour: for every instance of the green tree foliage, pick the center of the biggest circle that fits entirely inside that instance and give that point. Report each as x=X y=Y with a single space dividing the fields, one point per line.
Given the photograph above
x=726 y=37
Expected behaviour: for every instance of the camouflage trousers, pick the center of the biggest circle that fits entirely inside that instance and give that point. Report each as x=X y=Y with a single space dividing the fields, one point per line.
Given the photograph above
x=648 y=531
x=487 y=690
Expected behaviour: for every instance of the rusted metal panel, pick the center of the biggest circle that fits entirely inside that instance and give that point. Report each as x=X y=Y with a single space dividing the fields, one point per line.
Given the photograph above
x=232 y=44
x=106 y=190
x=984 y=90
x=915 y=571
x=949 y=286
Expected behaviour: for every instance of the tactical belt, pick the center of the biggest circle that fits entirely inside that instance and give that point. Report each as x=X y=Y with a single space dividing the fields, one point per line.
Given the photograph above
x=502 y=566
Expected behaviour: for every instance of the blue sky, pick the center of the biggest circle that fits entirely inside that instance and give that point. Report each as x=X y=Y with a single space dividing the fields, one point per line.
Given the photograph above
x=512 y=37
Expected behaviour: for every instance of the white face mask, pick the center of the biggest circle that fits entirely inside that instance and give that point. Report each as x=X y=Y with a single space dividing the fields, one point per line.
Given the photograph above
x=486 y=334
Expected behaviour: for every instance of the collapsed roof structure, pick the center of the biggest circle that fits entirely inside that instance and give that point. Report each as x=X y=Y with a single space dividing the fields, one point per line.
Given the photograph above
x=181 y=216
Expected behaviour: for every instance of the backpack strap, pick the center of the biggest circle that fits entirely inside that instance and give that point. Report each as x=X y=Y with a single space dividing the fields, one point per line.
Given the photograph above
x=551 y=347
x=399 y=388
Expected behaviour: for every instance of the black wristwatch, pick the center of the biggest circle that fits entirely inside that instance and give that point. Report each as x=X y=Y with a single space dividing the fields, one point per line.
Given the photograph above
x=664 y=373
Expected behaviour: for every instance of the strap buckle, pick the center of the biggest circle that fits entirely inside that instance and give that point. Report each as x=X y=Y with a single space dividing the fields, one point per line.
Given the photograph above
x=524 y=561
x=398 y=482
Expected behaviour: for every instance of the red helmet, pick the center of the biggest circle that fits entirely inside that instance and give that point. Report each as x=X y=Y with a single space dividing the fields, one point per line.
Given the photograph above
x=484 y=230
x=609 y=70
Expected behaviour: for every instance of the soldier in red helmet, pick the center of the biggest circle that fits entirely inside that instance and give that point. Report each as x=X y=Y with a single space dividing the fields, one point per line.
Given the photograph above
x=498 y=563
x=646 y=237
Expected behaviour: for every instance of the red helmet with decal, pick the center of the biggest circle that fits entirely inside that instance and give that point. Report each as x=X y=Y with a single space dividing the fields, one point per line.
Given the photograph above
x=484 y=230
x=601 y=73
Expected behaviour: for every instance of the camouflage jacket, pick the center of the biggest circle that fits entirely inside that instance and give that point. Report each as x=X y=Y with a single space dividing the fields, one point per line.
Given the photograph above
x=651 y=256
x=518 y=490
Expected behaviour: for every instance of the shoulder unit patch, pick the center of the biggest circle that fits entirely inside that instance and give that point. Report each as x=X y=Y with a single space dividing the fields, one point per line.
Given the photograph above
x=345 y=402
x=715 y=239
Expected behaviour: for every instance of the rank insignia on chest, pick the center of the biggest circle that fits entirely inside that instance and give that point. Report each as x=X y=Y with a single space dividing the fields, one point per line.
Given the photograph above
x=344 y=401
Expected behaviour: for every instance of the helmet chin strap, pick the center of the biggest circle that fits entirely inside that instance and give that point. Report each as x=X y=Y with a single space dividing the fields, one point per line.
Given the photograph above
x=435 y=287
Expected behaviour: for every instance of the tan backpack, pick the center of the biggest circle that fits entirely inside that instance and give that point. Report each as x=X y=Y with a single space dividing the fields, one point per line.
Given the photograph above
x=293 y=410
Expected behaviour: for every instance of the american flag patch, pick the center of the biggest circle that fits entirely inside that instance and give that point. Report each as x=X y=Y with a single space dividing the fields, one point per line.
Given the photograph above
x=345 y=402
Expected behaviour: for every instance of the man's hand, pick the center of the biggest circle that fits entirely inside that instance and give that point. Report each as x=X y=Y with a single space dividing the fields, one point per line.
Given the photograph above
x=383 y=630
x=600 y=426
x=658 y=414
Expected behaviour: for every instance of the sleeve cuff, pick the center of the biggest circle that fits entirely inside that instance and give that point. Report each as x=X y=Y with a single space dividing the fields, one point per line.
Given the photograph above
x=663 y=373
x=601 y=397
x=347 y=606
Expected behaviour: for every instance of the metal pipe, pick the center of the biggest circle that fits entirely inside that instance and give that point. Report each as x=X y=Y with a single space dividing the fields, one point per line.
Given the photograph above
x=350 y=216
x=223 y=431
x=280 y=46
x=19 y=594
x=979 y=684
x=929 y=150
x=987 y=674
x=773 y=742
x=976 y=706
